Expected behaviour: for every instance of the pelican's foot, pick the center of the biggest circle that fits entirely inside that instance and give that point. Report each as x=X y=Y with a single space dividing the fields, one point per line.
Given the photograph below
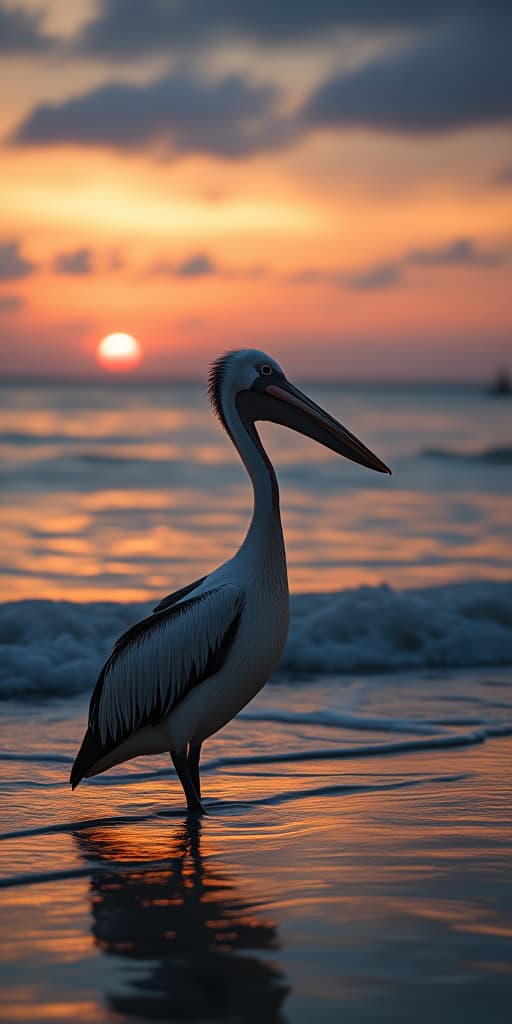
x=197 y=811
x=194 y=805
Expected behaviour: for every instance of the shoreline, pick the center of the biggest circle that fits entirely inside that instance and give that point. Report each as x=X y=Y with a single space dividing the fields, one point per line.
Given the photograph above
x=352 y=903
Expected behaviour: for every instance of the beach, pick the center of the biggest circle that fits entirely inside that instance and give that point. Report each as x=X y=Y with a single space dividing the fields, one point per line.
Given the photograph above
x=357 y=872
x=354 y=863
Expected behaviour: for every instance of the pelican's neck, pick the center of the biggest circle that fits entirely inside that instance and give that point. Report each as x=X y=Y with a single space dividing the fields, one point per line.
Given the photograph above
x=265 y=528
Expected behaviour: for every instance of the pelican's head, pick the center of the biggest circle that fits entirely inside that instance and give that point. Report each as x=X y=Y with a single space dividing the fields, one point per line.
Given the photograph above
x=261 y=391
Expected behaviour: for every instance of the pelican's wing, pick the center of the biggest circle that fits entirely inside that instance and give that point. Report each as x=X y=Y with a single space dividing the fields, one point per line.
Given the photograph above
x=154 y=665
x=171 y=599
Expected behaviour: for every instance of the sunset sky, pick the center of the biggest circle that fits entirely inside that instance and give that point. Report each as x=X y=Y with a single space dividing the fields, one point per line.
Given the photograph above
x=331 y=181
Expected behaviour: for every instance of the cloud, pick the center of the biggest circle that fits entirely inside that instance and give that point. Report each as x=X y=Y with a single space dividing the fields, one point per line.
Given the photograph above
x=178 y=113
x=126 y=29
x=199 y=265
x=12 y=264
x=460 y=251
x=381 y=275
x=455 y=76
x=77 y=262
x=20 y=31
x=451 y=79
x=10 y=303
x=376 y=276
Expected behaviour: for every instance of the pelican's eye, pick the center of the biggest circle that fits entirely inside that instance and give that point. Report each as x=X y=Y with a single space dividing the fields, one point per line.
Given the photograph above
x=266 y=369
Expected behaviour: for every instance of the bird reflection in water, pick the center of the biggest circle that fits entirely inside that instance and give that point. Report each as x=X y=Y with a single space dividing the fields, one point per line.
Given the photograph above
x=186 y=921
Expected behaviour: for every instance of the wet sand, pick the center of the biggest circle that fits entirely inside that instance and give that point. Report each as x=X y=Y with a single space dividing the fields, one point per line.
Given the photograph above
x=356 y=888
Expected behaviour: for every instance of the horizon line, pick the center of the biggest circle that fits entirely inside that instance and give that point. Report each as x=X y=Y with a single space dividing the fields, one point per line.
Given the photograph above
x=120 y=379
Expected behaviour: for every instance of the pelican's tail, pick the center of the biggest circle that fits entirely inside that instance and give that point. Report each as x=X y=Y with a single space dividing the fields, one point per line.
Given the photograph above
x=89 y=754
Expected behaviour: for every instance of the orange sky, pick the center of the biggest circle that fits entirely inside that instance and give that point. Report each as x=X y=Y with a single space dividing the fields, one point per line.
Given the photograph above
x=345 y=236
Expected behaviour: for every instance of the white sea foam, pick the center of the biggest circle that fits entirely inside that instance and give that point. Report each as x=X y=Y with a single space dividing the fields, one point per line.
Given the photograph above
x=57 y=648
x=375 y=629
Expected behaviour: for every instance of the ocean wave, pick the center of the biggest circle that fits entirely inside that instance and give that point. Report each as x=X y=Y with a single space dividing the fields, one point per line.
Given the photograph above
x=494 y=456
x=378 y=629
x=52 y=648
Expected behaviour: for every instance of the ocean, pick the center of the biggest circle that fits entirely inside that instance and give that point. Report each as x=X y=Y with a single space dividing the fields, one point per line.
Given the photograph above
x=354 y=863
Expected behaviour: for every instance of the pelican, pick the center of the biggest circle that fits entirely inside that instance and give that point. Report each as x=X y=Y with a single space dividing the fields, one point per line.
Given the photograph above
x=178 y=676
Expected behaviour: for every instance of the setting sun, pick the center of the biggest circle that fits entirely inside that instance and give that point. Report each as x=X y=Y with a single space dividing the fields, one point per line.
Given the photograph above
x=119 y=352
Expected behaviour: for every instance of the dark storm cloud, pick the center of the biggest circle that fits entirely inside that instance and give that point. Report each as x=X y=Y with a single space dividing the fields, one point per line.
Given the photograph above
x=12 y=264
x=179 y=113
x=461 y=251
x=20 y=31
x=452 y=79
x=77 y=262
x=10 y=303
x=127 y=28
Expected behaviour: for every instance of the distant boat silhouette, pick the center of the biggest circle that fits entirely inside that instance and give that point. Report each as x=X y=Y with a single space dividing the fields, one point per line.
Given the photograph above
x=501 y=385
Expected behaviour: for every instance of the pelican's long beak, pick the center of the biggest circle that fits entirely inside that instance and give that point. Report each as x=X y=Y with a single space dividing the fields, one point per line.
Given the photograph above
x=290 y=407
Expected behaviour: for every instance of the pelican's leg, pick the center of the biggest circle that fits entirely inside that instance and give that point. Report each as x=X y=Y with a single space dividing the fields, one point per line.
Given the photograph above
x=194 y=754
x=179 y=760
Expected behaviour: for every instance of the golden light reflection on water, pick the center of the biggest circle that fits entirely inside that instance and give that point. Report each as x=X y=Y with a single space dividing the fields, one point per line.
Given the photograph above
x=71 y=1010
x=123 y=494
x=261 y=907
x=95 y=423
x=116 y=536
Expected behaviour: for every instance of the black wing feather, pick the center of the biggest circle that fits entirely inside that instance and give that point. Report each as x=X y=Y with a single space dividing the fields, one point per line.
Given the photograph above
x=171 y=599
x=93 y=747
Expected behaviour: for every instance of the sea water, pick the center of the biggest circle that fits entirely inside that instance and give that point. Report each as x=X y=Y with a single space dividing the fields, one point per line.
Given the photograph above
x=126 y=492
x=356 y=846
x=113 y=496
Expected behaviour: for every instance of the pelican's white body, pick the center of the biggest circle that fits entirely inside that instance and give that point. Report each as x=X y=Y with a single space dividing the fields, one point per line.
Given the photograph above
x=257 y=576
x=255 y=652
x=254 y=655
